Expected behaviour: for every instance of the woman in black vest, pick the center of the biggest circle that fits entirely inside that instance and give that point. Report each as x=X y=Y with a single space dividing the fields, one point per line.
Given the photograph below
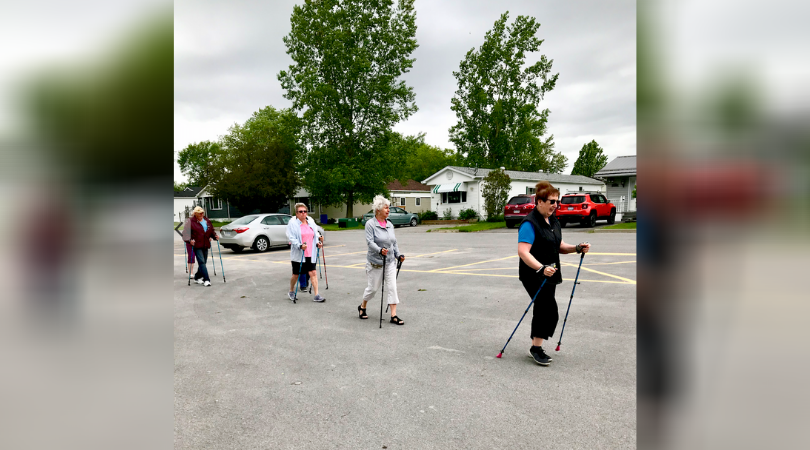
x=539 y=246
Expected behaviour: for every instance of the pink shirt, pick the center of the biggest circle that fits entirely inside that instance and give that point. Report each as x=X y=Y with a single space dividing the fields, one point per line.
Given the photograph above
x=307 y=236
x=382 y=224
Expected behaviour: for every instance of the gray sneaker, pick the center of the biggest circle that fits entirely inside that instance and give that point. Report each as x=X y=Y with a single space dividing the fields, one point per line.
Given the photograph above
x=318 y=298
x=290 y=295
x=539 y=356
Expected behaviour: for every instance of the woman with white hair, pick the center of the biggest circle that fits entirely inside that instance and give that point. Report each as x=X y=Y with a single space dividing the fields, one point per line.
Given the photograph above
x=302 y=234
x=198 y=232
x=381 y=244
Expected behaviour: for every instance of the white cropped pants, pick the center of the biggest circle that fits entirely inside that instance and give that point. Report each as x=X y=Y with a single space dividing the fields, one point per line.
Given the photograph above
x=375 y=277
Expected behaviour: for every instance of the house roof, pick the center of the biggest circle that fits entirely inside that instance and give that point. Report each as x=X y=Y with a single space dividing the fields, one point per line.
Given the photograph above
x=189 y=192
x=410 y=185
x=527 y=176
x=621 y=166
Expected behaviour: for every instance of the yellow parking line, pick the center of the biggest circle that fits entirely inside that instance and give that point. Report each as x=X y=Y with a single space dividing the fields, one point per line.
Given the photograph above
x=472 y=264
x=607 y=264
x=603 y=273
x=612 y=254
x=427 y=254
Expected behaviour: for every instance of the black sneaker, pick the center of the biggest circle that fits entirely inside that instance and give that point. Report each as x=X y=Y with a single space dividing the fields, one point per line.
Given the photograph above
x=539 y=356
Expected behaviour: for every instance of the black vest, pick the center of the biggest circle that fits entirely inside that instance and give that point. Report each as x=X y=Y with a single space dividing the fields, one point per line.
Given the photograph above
x=546 y=246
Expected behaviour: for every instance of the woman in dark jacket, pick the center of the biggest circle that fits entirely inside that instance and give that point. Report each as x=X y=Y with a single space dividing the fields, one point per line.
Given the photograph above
x=199 y=234
x=539 y=247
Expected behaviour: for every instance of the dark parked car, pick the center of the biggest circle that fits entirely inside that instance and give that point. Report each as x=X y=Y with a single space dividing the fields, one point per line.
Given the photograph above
x=516 y=209
x=396 y=215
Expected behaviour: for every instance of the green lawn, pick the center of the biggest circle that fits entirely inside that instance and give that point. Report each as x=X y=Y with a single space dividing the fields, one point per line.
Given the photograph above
x=621 y=226
x=478 y=226
x=334 y=227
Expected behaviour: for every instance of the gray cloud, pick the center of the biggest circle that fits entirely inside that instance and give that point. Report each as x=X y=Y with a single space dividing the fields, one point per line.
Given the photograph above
x=227 y=57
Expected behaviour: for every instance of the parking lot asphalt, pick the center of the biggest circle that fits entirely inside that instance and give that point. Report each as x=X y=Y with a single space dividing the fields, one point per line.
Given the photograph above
x=254 y=370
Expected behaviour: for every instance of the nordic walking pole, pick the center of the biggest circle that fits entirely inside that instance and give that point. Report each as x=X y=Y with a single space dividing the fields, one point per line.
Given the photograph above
x=399 y=265
x=189 y=272
x=569 y=301
x=185 y=255
x=383 y=285
x=317 y=262
x=524 y=314
x=297 y=282
x=214 y=265
x=220 y=262
x=325 y=275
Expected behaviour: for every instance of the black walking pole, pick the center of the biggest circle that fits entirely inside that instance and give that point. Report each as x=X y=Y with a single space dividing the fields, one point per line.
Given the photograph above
x=399 y=265
x=220 y=262
x=189 y=272
x=185 y=256
x=524 y=314
x=325 y=275
x=214 y=265
x=383 y=286
x=569 y=301
x=297 y=281
x=317 y=263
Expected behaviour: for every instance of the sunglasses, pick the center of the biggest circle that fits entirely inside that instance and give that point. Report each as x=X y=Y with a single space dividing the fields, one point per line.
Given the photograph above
x=302 y=211
x=553 y=201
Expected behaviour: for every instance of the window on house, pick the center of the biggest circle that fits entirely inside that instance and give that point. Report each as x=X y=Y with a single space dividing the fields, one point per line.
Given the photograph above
x=402 y=201
x=457 y=197
x=418 y=201
x=216 y=203
x=444 y=197
x=580 y=189
x=529 y=191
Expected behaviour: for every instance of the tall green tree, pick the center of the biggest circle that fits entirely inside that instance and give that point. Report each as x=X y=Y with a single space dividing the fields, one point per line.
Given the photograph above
x=591 y=160
x=497 y=100
x=420 y=160
x=197 y=162
x=496 y=191
x=257 y=168
x=348 y=58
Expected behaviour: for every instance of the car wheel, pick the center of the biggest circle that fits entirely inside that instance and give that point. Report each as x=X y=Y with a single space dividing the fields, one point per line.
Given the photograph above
x=261 y=244
x=413 y=222
x=612 y=218
x=590 y=220
x=510 y=224
x=563 y=224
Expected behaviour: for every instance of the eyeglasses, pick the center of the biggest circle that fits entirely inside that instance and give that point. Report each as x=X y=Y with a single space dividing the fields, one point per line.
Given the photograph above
x=302 y=211
x=553 y=201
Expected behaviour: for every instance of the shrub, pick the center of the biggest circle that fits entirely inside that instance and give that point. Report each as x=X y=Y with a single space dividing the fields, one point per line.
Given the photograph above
x=427 y=215
x=467 y=214
x=448 y=214
x=497 y=218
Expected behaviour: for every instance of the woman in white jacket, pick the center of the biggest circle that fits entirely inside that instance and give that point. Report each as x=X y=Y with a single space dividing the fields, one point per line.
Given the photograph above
x=302 y=234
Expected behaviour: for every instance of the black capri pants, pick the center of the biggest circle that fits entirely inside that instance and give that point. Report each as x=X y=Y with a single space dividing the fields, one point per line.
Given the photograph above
x=307 y=267
x=545 y=314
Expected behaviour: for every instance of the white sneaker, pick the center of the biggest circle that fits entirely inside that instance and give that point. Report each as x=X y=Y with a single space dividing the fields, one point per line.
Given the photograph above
x=207 y=284
x=200 y=281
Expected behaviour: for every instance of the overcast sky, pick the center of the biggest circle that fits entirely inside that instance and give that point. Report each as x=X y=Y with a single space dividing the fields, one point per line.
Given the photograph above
x=228 y=54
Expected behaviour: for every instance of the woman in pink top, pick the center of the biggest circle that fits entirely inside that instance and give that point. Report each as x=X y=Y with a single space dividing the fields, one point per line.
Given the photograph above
x=302 y=235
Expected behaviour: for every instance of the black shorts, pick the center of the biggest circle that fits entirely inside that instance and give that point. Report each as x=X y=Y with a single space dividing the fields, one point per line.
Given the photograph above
x=309 y=266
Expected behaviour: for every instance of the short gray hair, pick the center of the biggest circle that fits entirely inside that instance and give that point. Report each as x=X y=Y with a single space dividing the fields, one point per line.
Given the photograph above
x=300 y=204
x=380 y=202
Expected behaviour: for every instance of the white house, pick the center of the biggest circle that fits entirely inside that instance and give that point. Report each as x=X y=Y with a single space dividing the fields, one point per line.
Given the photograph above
x=185 y=201
x=620 y=179
x=459 y=188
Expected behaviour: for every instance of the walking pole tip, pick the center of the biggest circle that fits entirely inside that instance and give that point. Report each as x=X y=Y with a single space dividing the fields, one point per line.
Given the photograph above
x=499 y=355
x=558 y=348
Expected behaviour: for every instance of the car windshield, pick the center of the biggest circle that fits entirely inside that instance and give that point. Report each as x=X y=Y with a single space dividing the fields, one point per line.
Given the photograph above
x=245 y=220
x=520 y=200
x=573 y=199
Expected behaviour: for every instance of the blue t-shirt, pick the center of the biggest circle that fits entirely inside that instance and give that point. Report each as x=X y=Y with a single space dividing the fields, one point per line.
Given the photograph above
x=526 y=233
x=204 y=224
